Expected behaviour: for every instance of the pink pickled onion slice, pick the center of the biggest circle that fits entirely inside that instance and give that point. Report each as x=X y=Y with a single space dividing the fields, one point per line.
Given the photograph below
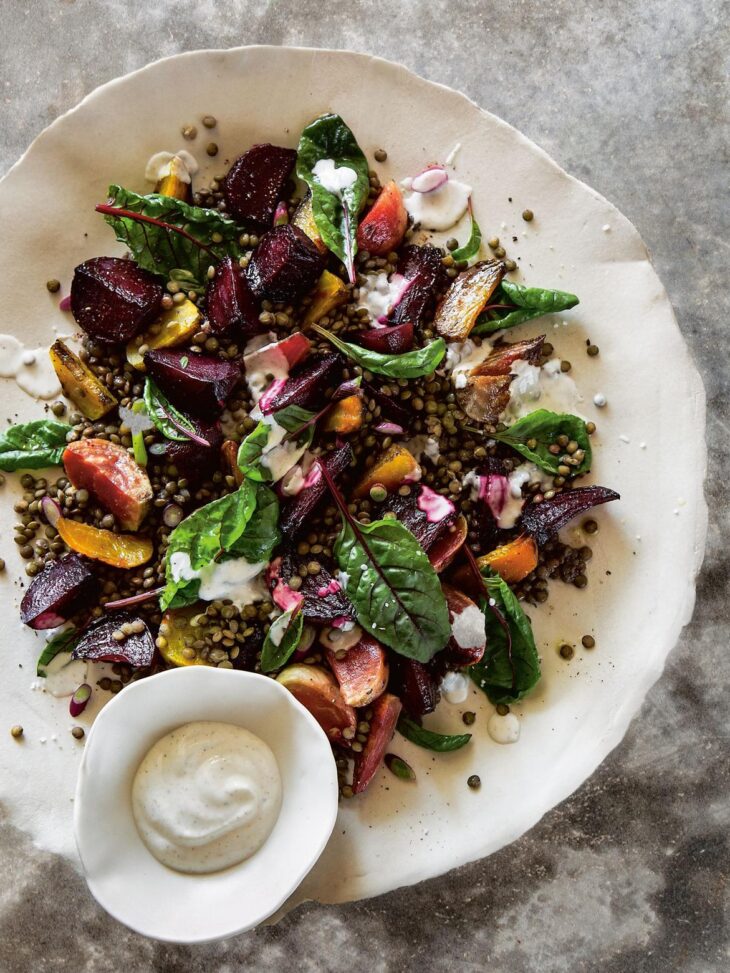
x=389 y=428
x=433 y=177
x=493 y=489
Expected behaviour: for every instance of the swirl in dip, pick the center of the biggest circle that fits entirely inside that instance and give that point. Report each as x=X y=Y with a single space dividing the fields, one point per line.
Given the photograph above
x=206 y=796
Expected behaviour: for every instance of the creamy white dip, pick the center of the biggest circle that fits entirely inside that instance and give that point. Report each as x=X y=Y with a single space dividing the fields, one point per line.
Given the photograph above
x=236 y=579
x=206 y=796
x=440 y=209
x=503 y=729
x=334 y=180
x=30 y=367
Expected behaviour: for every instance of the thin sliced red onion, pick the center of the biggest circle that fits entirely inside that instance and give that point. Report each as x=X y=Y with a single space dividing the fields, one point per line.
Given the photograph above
x=281 y=215
x=347 y=388
x=390 y=428
x=65 y=303
x=494 y=490
x=133 y=599
x=51 y=511
x=432 y=177
x=267 y=399
x=77 y=703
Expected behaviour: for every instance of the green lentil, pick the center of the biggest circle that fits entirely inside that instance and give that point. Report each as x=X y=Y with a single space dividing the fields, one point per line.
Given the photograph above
x=588 y=642
x=475 y=782
x=502 y=709
x=527 y=215
x=189 y=132
x=592 y=350
x=53 y=285
x=16 y=731
x=211 y=148
x=380 y=155
x=210 y=121
x=469 y=717
x=77 y=732
x=566 y=651
x=590 y=526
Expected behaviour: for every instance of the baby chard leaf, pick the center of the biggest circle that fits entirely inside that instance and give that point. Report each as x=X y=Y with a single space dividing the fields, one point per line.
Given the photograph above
x=32 y=445
x=439 y=742
x=282 y=639
x=329 y=139
x=411 y=364
x=514 y=304
x=534 y=434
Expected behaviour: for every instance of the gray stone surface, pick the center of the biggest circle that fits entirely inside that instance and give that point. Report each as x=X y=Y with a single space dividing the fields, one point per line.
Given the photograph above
x=630 y=874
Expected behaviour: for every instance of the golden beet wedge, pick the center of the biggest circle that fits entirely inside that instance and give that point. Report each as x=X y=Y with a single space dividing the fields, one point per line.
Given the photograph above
x=173 y=327
x=79 y=383
x=328 y=294
x=392 y=469
x=465 y=300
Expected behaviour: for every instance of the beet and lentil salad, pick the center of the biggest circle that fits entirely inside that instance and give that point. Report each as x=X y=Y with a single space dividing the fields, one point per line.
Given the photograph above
x=299 y=440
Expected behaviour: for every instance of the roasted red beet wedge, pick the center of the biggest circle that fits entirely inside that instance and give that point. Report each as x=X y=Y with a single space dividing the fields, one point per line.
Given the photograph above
x=194 y=383
x=416 y=685
x=193 y=461
x=230 y=304
x=321 y=596
x=443 y=551
x=423 y=266
x=468 y=631
x=62 y=587
x=362 y=673
x=406 y=509
x=98 y=643
x=255 y=183
x=544 y=520
x=114 y=299
x=249 y=648
x=383 y=228
x=108 y=472
x=386 y=710
x=296 y=511
x=285 y=265
x=393 y=341
x=306 y=385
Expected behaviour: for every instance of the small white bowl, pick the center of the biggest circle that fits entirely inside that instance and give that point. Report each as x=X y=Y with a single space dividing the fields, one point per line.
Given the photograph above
x=123 y=875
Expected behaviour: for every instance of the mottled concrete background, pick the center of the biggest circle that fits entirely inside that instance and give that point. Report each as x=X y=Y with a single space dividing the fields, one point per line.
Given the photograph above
x=631 y=873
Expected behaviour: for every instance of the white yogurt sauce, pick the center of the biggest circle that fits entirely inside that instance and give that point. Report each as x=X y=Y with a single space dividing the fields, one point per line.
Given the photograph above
x=422 y=445
x=541 y=388
x=278 y=456
x=503 y=729
x=334 y=180
x=468 y=628
x=455 y=686
x=64 y=675
x=159 y=165
x=462 y=356
x=236 y=579
x=30 y=367
x=206 y=796
x=378 y=295
x=440 y=209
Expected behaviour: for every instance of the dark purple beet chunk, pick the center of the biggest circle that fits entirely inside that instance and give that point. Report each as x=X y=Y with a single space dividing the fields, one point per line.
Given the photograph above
x=415 y=684
x=193 y=461
x=249 y=648
x=296 y=511
x=393 y=341
x=543 y=520
x=423 y=265
x=285 y=265
x=390 y=407
x=97 y=642
x=255 y=183
x=194 y=383
x=305 y=386
x=114 y=299
x=408 y=513
x=316 y=607
x=57 y=592
x=230 y=304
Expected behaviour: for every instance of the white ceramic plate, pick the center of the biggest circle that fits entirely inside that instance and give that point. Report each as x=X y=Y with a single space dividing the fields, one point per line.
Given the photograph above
x=650 y=443
x=122 y=874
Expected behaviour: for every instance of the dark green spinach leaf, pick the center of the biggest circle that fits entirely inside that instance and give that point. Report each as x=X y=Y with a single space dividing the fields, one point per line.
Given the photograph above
x=533 y=435
x=33 y=445
x=63 y=642
x=335 y=214
x=261 y=534
x=410 y=364
x=521 y=304
x=395 y=590
x=281 y=640
x=510 y=667
x=180 y=242
x=439 y=742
